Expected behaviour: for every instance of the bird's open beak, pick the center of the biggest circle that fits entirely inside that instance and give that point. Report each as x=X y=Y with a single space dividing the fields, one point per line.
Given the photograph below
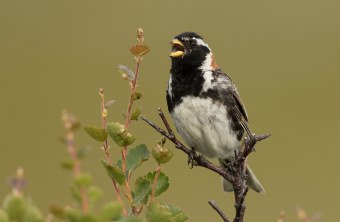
x=177 y=48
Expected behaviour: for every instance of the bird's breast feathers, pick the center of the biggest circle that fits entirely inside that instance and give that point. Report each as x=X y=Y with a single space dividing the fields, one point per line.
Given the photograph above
x=203 y=124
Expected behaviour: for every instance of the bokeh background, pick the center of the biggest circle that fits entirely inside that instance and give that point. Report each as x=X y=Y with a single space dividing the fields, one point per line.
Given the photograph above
x=283 y=56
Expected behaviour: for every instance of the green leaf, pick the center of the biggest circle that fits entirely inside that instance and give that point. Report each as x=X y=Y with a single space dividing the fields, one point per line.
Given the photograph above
x=132 y=219
x=119 y=134
x=72 y=215
x=89 y=217
x=57 y=211
x=164 y=212
x=15 y=207
x=32 y=214
x=136 y=113
x=178 y=214
x=111 y=211
x=76 y=193
x=94 y=193
x=68 y=164
x=96 y=133
x=3 y=216
x=135 y=158
x=115 y=172
x=83 y=151
x=162 y=183
x=83 y=180
x=136 y=96
x=142 y=191
x=143 y=187
x=75 y=126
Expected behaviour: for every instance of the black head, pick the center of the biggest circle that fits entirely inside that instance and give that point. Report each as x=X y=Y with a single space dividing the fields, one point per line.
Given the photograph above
x=189 y=50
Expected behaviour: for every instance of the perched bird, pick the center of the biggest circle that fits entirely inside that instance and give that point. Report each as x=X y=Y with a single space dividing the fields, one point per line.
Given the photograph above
x=205 y=105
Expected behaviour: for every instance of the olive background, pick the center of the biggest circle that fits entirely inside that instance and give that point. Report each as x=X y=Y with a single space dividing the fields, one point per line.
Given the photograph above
x=282 y=55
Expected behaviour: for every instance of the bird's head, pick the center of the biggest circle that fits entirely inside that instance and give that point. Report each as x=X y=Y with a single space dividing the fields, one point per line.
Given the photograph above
x=189 y=50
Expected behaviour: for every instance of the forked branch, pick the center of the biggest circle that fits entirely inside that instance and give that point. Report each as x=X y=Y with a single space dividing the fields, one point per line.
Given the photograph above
x=235 y=176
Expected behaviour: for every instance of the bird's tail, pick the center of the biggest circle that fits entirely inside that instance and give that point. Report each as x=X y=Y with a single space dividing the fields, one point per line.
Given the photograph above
x=252 y=181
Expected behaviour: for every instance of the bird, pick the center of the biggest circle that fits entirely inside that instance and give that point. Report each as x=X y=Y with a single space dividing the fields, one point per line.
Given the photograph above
x=205 y=106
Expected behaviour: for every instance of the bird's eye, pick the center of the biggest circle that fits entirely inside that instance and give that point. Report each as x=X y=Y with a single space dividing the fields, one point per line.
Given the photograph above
x=192 y=43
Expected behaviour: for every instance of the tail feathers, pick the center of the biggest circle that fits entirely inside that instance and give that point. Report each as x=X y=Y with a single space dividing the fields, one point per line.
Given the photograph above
x=252 y=181
x=227 y=186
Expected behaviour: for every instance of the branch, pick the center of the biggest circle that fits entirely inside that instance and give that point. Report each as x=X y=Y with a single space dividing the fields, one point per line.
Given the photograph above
x=198 y=159
x=218 y=210
x=235 y=176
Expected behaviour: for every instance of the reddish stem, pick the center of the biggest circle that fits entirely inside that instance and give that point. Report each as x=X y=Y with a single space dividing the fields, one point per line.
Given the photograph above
x=133 y=90
x=104 y=114
x=158 y=171
x=73 y=153
x=107 y=151
x=127 y=125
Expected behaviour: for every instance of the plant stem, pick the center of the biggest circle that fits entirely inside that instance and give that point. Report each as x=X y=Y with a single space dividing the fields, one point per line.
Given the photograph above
x=107 y=149
x=158 y=171
x=104 y=115
x=127 y=125
x=68 y=123
x=132 y=91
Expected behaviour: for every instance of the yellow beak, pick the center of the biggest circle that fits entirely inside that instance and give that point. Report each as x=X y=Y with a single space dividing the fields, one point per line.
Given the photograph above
x=177 y=53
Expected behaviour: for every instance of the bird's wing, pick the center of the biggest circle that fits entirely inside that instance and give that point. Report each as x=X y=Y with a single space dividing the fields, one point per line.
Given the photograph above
x=236 y=96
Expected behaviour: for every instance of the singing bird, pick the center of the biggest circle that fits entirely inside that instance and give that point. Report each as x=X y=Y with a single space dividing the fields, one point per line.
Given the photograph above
x=205 y=105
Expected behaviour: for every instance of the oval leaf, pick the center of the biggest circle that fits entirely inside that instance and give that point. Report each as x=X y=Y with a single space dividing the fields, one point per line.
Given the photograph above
x=83 y=180
x=165 y=212
x=162 y=182
x=111 y=211
x=135 y=158
x=15 y=207
x=114 y=172
x=96 y=133
x=136 y=113
x=136 y=96
x=119 y=134
x=142 y=191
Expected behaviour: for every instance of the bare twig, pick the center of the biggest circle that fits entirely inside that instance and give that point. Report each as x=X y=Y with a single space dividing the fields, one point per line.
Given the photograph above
x=235 y=177
x=218 y=210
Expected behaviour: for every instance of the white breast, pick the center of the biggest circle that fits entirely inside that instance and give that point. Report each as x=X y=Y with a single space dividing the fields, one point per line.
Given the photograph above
x=204 y=125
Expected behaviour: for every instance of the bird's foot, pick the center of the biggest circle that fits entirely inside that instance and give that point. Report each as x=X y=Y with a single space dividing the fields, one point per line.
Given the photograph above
x=245 y=176
x=231 y=167
x=191 y=158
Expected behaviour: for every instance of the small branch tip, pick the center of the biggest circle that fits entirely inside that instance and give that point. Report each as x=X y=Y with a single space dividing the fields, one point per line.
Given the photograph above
x=218 y=210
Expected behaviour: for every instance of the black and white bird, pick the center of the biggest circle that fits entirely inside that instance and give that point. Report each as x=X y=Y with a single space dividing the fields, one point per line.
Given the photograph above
x=205 y=105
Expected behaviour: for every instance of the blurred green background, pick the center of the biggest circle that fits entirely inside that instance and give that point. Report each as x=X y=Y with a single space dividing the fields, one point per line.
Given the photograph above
x=283 y=56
